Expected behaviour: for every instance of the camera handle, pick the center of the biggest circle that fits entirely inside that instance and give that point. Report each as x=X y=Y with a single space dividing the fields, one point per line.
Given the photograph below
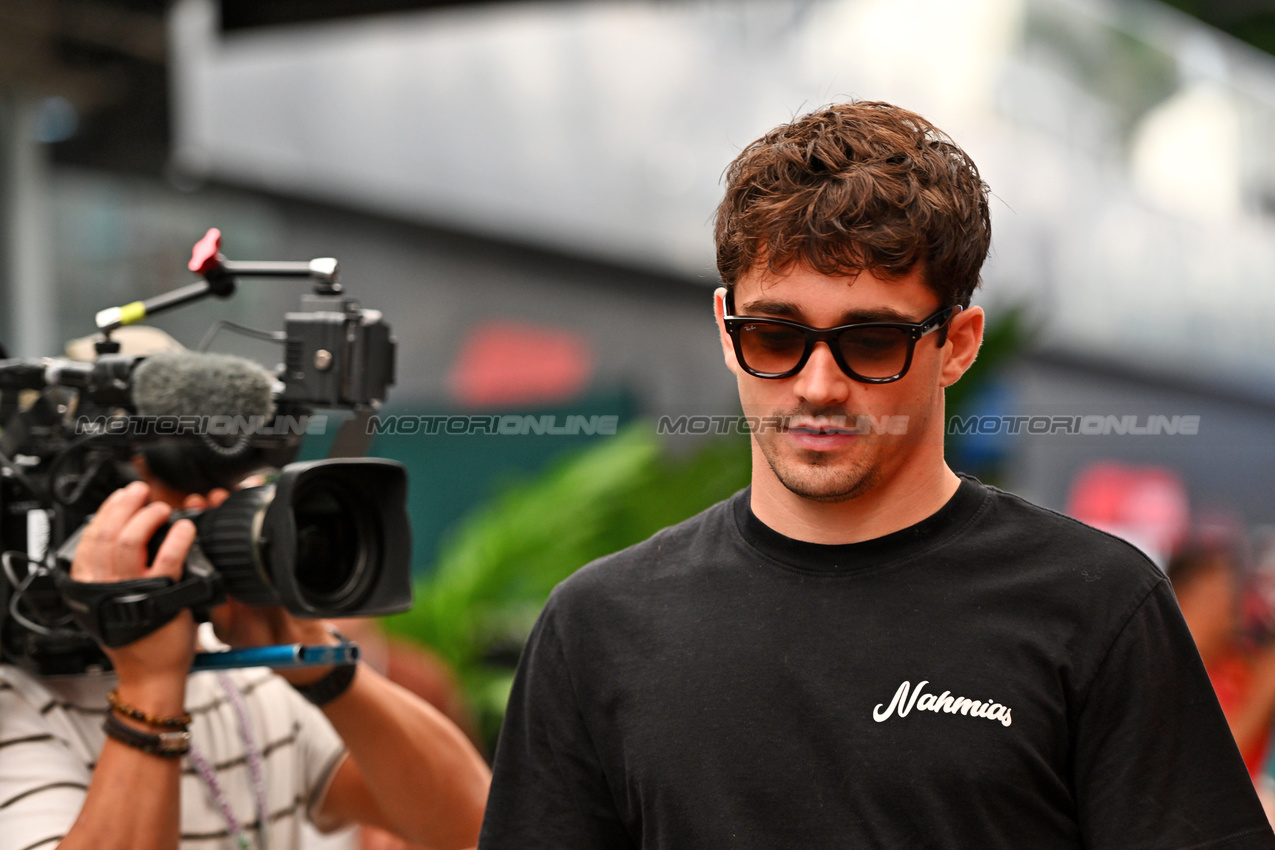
x=119 y=613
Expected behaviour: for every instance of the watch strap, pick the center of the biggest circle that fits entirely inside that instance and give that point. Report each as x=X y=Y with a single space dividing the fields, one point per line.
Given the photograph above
x=336 y=682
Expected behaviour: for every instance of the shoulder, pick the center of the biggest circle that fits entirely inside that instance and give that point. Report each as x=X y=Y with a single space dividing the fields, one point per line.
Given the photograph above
x=63 y=713
x=623 y=595
x=1015 y=525
x=18 y=687
x=1082 y=582
x=670 y=555
x=79 y=695
x=25 y=702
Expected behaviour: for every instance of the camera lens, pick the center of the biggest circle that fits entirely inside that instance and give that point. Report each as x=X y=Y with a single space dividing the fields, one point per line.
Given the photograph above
x=329 y=538
x=229 y=538
x=335 y=546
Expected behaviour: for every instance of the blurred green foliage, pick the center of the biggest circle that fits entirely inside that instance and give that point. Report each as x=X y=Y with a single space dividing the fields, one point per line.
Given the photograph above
x=494 y=573
x=1006 y=334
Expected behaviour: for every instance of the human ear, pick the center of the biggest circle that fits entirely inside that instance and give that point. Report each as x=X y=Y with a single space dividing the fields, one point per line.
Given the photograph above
x=964 y=336
x=728 y=348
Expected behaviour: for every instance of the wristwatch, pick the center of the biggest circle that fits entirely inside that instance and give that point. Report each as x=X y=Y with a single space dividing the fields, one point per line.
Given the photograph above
x=331 y=686
x=334 y=683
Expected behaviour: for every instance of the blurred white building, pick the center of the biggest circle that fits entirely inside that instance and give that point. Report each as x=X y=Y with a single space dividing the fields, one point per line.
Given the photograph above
x=1128 y=146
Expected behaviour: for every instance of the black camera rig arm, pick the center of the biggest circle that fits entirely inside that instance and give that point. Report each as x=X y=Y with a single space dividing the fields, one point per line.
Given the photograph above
x=218 y=275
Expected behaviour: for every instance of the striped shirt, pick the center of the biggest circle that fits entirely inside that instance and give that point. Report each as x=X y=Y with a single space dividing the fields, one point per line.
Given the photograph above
x=51 y=734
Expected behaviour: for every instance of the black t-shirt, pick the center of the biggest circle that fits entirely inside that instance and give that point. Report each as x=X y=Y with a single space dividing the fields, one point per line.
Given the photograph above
x=996 y=676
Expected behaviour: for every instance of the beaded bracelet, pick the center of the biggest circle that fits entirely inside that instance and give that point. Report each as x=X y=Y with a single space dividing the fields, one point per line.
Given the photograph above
x=169 y=745
x=181 y=721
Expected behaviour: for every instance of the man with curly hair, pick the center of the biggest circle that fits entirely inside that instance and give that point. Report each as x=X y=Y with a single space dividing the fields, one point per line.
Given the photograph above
x=863 y=648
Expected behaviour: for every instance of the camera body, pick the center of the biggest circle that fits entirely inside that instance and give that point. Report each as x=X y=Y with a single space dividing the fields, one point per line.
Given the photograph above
x=326 y=538
x=338 y=355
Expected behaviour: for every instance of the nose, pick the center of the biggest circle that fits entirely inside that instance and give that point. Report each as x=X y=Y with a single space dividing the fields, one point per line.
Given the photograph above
x=821 y=381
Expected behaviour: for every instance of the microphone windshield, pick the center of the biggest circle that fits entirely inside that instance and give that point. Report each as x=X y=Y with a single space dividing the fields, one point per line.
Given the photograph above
x=192 y=384
x=207 y=385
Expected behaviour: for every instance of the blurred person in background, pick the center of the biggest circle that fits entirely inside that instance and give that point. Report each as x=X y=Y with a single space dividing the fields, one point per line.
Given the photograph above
x=1208 y=581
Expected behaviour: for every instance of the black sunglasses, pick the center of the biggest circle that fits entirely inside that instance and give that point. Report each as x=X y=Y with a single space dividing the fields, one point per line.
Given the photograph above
x=870 y=352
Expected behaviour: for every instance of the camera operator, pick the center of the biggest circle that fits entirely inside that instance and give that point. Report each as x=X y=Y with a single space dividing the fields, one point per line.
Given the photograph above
x=156 y=758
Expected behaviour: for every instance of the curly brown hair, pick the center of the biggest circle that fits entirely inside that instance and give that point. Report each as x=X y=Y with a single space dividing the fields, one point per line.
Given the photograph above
x=854 y=186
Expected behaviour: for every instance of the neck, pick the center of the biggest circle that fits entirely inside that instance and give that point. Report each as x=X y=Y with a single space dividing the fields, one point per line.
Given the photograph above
x=902 y=500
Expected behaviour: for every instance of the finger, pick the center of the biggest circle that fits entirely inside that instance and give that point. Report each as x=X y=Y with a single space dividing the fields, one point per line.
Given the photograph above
x=216 y=497
x=129 y=550
x=172 y=552
x=194 y=502
x=115 y=511
x=93 y=555
x=141 y=527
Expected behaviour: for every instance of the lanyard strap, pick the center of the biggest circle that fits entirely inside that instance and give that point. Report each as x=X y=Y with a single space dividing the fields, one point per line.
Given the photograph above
x=255 y=771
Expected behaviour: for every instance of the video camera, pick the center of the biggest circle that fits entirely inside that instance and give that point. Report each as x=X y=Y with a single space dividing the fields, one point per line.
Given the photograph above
x=325 y=538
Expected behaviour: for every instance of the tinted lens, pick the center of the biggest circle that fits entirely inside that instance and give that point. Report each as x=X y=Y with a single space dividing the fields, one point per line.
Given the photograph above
x=874 y=352
x=771 y=348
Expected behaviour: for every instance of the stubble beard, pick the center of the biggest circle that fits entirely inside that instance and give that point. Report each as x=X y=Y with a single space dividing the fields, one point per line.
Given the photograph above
x=821 y=476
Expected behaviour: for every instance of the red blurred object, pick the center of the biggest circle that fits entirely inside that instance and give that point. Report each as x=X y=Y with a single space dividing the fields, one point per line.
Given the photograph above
x=1145 y=505
x=509 y=363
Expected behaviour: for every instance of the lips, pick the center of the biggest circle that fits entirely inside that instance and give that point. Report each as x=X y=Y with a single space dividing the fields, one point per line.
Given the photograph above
x=820 y=434
x=821 y=427
x=821 y=431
